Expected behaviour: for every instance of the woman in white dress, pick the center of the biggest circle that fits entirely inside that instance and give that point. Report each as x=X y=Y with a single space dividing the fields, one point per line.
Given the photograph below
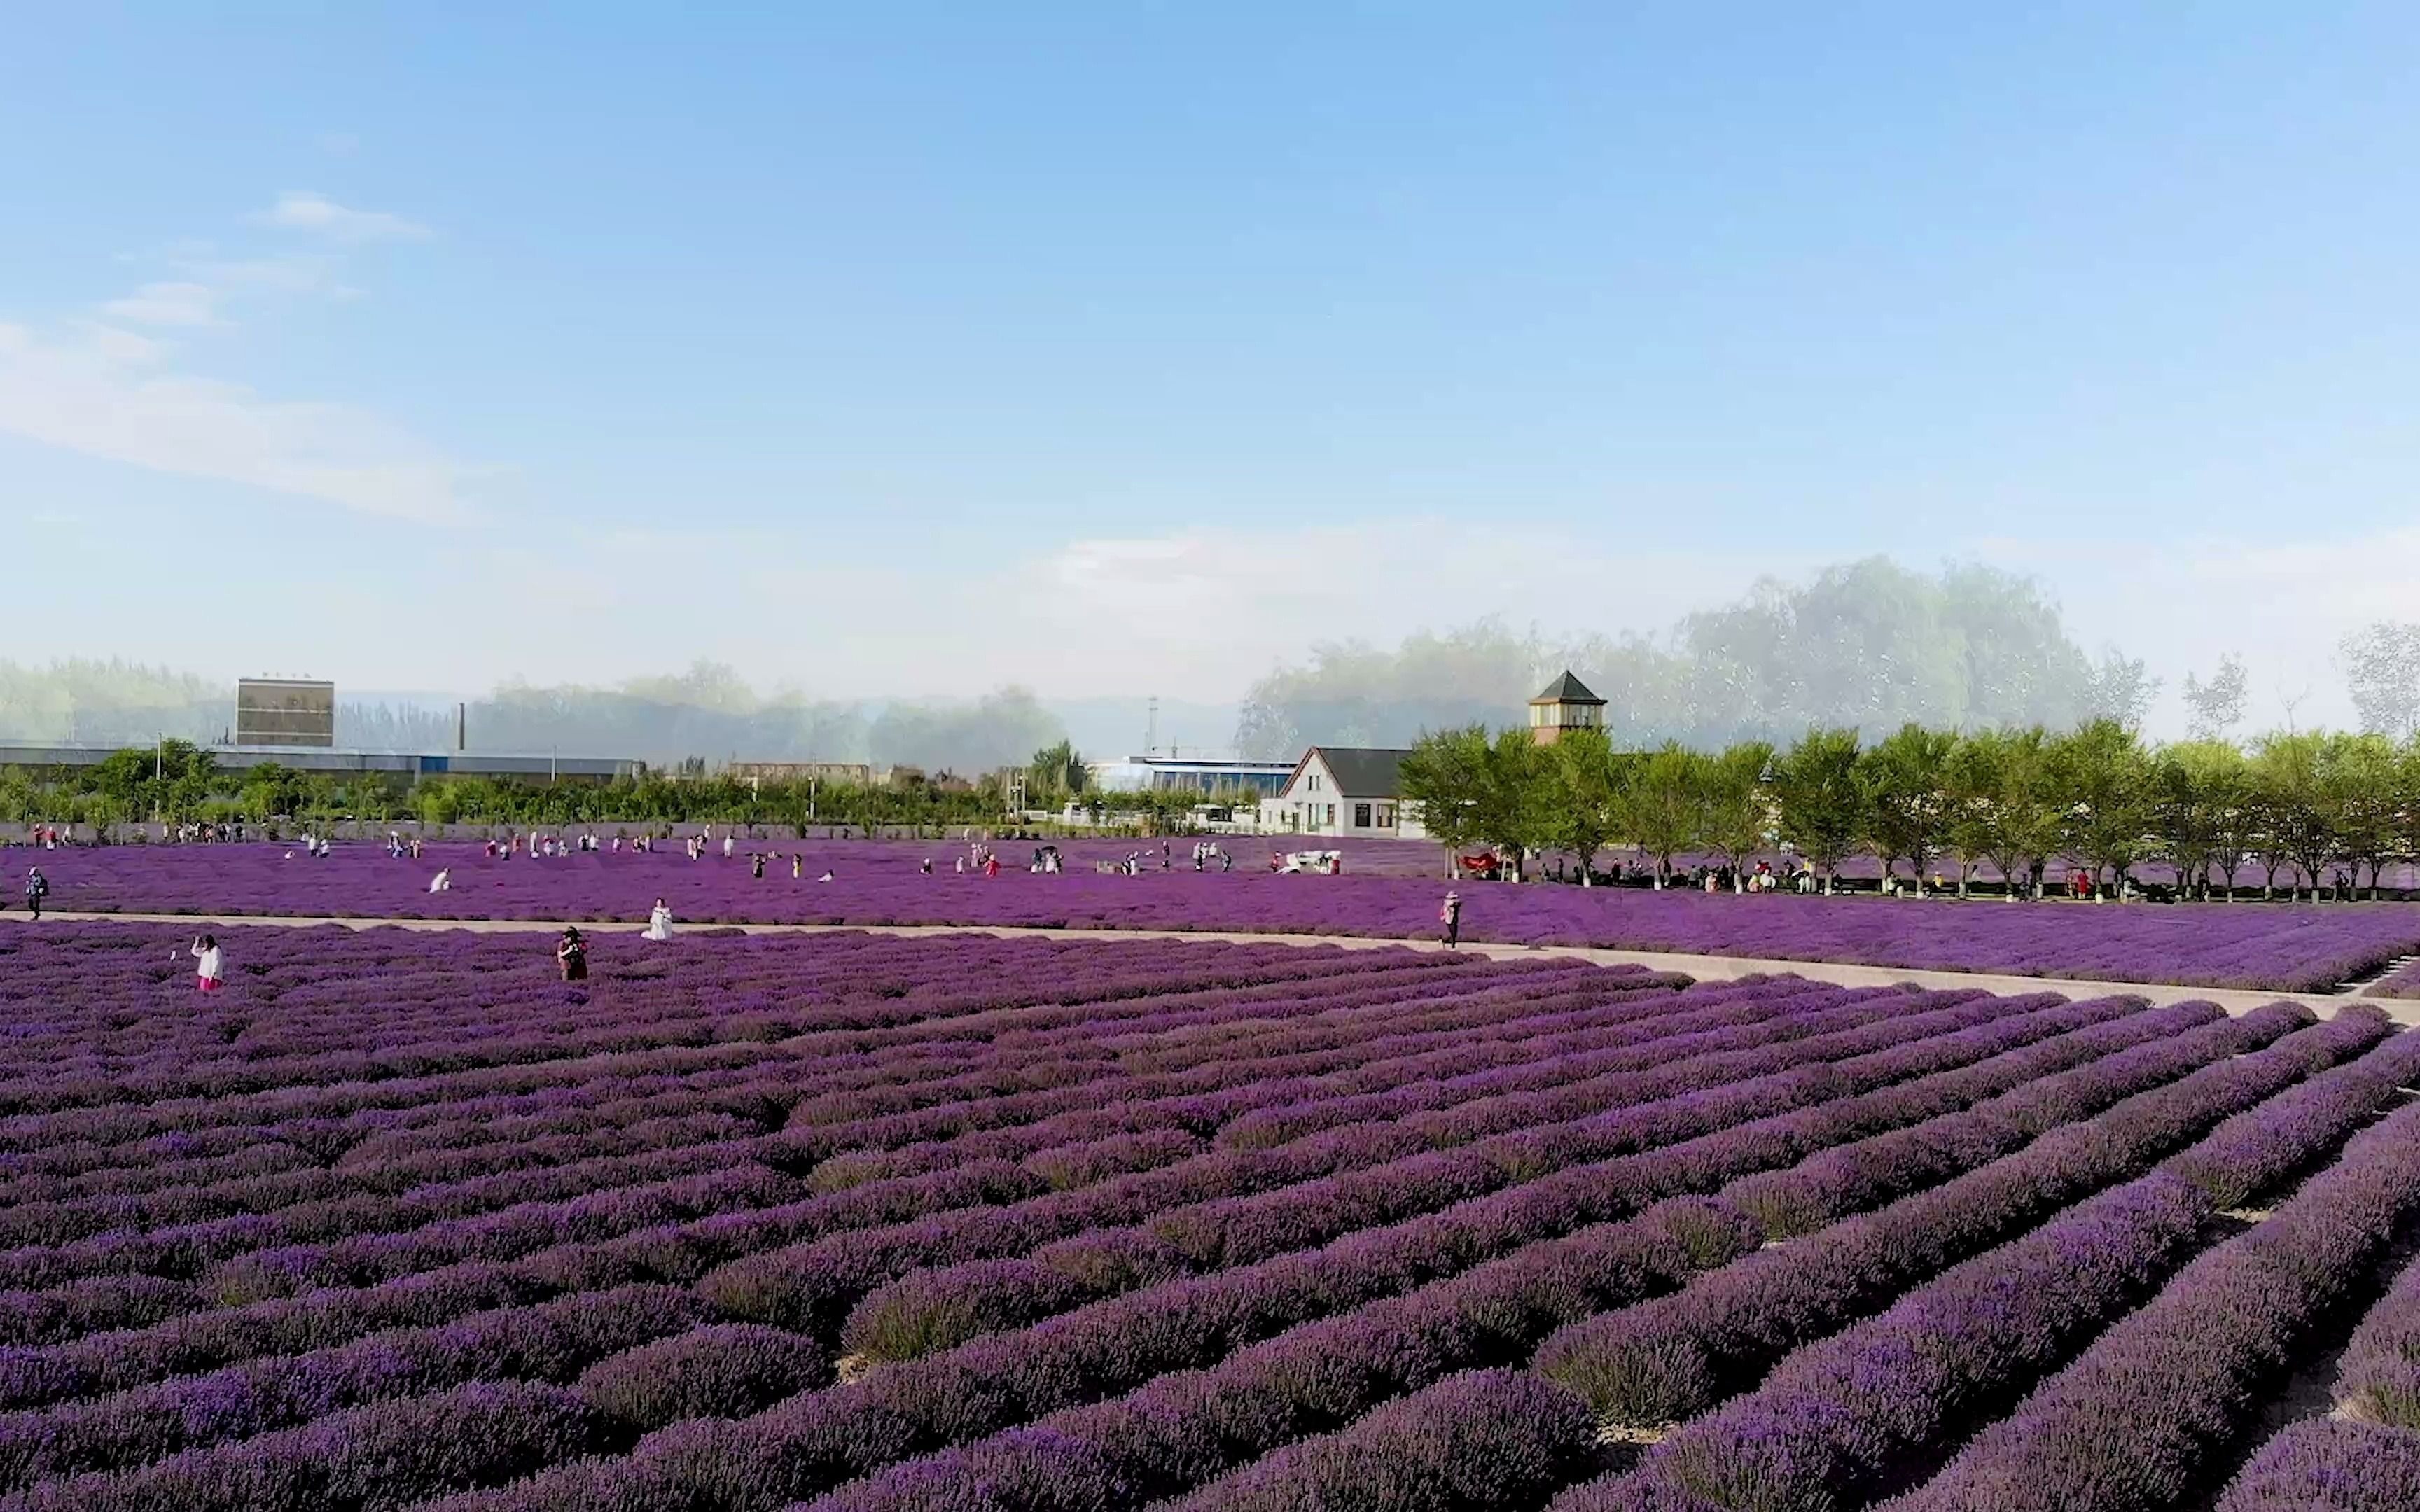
x=660 y=922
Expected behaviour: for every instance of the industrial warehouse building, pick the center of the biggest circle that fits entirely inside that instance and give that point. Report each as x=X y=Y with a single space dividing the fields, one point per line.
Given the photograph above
x=1222 y=780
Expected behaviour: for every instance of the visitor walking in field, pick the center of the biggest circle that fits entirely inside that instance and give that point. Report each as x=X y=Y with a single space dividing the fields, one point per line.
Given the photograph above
x=1449 y=915
x=210 y=964
x=37 y=887
x=571 y=956
x=442 y=881
x=660 y=921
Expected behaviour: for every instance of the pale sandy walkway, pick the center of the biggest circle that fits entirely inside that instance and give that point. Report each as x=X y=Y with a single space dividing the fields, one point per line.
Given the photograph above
x=1702 y=967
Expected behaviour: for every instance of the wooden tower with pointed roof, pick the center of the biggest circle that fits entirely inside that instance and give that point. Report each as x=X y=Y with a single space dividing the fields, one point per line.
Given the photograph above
x=1565 y=703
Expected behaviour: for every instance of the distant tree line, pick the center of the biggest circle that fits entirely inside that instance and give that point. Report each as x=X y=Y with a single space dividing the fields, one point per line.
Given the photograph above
x=707 y=712
x=1866 y=645
x=177 y=782
x=2304 y=809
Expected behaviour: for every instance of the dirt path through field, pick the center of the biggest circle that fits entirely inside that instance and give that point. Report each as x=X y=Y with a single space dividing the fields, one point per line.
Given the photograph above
x=1702 y=967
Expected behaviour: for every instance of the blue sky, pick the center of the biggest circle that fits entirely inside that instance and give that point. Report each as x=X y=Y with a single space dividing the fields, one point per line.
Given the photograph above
x=1127 y=347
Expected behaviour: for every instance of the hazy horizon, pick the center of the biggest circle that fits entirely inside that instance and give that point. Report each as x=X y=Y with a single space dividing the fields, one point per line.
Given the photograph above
x=1866 y=643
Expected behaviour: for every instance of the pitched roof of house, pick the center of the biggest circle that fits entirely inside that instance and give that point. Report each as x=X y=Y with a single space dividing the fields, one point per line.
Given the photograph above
x=1359 y=771
x=1566 y=689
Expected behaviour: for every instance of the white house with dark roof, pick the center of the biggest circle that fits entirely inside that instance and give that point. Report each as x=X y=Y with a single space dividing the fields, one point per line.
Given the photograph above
x=1343 y=790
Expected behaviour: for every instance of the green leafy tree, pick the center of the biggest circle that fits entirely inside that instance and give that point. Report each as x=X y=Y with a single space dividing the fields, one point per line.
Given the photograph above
x=2198 y=792
x=1581 y=805
x=1516 y=798
x=2358 y=788
x=2236 y=813
x=1905 y=782
x=1971 y=785
x=1738 y=813
x=1057 y=771
x=124 y=778
x=2025 y=829
x=1443 y=776
x=2289 y=776
x=1999 y=809
x=1664 y=804
x=2105 y=779
x=20 y=799
x=1820 y=804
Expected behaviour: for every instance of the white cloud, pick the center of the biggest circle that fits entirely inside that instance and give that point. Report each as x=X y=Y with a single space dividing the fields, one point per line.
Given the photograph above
x=169 y=304
x=294 y=273
x=122 y=346
x=99 y=389
x=100 y=393
x=301 y=211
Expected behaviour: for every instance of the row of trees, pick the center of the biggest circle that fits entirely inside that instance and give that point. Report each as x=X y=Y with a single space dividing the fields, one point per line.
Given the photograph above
x=177 y=782
x=2302 y=808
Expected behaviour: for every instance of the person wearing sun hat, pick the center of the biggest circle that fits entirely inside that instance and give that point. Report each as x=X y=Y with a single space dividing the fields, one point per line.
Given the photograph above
x=571 y=955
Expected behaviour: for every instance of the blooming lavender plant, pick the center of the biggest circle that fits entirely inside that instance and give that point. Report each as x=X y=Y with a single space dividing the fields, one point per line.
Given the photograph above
x=2329 y=1465
x=1666 y=1361
x=2186 y=1364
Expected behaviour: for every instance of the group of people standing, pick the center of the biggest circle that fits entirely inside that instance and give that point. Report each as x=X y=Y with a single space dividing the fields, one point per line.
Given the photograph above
x=533 y=844
x=193 y=832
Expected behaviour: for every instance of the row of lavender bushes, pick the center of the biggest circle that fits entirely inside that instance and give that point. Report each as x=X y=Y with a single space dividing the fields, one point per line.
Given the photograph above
x=990 y=1385
x=2283 y=947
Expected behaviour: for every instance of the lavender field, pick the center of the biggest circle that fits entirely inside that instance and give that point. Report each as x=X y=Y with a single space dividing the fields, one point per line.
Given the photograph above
x=851 y=1221
x=2269 y=947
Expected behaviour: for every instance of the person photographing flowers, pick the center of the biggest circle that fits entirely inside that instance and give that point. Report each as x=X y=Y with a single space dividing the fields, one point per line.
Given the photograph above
x=571 y=956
